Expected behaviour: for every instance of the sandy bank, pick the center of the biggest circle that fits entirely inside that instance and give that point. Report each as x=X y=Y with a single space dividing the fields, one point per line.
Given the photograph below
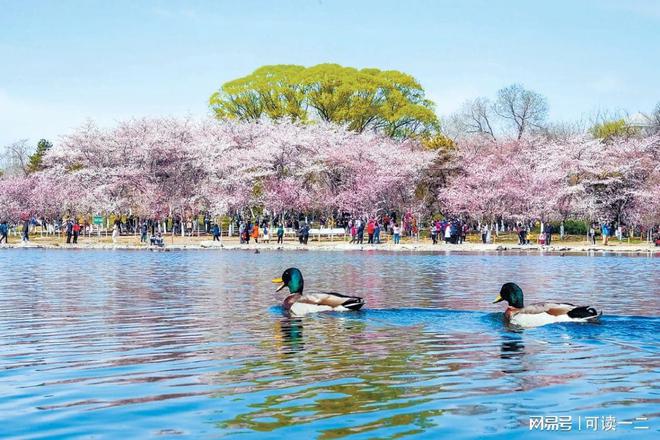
x=426 y=247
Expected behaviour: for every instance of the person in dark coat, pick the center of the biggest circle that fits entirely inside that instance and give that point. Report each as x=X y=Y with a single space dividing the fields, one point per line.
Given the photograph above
x=463 y=232
x=216 y=232
x=305 y=233
x=26 y=231
x=280 y=234
x=4 y=230
x=548 y=234
x=454 y=232
x=69 y=231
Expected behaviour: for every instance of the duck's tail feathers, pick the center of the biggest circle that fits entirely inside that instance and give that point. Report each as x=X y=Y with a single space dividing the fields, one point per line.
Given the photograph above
x=354 y=303
x=584 y=312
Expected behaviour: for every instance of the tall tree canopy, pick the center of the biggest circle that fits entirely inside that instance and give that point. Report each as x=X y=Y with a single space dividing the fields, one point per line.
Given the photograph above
x=525 y=109
x=36 y=159
x=389 y=102
x=516 y=112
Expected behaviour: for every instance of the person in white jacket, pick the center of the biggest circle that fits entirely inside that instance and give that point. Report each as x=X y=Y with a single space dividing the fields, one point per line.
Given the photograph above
x=115 y=234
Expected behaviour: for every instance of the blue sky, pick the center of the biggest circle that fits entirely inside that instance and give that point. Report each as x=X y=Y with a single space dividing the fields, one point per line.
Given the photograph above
x=67 y=61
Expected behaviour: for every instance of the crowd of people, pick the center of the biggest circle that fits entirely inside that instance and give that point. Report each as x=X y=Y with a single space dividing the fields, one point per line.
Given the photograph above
x=261 y=230
x=606 y=231
x=375 y=230
x=451 y=231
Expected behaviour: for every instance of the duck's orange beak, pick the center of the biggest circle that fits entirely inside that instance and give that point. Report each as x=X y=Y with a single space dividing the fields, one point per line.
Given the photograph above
x=278 y=281
x=498 y=299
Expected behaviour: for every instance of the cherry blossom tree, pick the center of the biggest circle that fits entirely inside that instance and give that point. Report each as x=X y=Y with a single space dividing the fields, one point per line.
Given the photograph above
x=511 y=180
x=156 y=167
x=618 y=180
x=545 y=179
x=163 y=167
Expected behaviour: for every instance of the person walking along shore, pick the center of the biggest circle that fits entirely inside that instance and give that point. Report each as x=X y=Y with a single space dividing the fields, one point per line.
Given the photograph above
x=370 y=232
x=115 y=234
x=69 y=231
x=266 y=234
x=76 y=231
x=26 y=231
x=255 y=232
x=4 y=230
x=143 y=232
x=280 y=234
x=353 y=231
x=605 y=232
x=548 y=234
x=396 y=230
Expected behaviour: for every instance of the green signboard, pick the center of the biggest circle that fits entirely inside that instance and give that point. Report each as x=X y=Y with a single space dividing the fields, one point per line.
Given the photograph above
x=98 y=220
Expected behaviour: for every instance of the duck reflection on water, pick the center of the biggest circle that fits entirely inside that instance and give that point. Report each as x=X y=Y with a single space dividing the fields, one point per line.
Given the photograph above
x=289 y=335
x=512 y=348
x=512 y=352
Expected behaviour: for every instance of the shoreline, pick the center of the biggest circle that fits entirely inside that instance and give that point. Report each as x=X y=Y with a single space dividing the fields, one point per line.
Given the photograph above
x=413 y=247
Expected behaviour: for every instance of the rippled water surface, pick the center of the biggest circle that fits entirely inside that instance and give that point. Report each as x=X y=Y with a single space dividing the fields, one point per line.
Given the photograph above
x=109 y=344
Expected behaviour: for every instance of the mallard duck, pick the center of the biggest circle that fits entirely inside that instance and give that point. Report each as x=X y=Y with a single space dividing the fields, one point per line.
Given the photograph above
x=300 y=304
x=538 y=314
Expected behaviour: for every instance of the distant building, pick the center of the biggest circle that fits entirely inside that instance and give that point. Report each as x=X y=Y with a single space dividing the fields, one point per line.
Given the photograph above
x=642 y=122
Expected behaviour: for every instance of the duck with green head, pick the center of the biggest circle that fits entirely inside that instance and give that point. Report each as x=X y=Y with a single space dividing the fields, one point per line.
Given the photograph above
x=298 y=303
x=534 y=315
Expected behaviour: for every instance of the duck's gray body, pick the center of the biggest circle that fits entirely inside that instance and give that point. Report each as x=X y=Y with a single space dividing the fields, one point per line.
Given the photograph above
x=535 y=315
x=299 y=303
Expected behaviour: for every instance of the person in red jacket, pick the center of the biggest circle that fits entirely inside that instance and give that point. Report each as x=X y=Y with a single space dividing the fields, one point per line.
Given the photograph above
x=255 y=232
x=76 y=231
x=371 y=227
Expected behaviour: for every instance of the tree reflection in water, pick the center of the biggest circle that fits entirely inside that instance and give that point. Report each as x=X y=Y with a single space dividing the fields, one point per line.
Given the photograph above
x=175 y=349
x=347 y=366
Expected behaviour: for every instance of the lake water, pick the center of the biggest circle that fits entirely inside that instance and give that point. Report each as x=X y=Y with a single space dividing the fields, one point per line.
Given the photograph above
x=109 y=344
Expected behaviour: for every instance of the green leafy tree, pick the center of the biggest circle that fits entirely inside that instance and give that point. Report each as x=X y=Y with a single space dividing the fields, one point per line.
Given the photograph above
x=271 y=91
x=437 y=141
x=390 y=102
x=612 y=129
x=35 y=160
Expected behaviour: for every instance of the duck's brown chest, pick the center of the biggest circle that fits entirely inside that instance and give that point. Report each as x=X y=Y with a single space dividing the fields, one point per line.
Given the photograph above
x=509 y=312
x=289 y=300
